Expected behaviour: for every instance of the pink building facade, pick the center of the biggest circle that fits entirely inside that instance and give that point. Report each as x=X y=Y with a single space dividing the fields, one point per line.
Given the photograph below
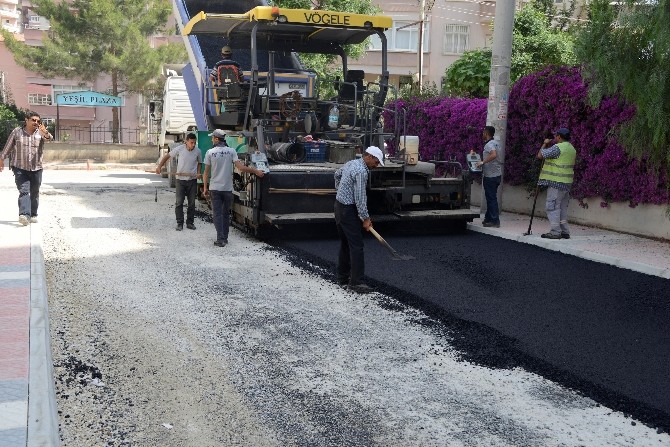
x=31 y=91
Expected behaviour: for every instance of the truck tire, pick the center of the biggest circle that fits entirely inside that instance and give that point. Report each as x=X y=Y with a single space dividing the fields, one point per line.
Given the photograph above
x=161 y=152
x=172 y=168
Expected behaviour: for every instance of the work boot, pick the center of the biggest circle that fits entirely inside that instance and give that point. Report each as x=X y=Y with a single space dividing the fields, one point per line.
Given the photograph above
x=551 y=236
x=179 y=227
x=361 y=288
x=491 y=224
x=565 y=235
x=220 y=243
x=190 y=226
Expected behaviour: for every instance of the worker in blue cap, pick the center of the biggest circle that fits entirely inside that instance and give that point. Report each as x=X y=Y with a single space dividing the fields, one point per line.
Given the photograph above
x=557 y=174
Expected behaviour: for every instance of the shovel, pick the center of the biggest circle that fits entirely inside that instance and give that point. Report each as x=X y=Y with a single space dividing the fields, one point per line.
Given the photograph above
x=396 y=256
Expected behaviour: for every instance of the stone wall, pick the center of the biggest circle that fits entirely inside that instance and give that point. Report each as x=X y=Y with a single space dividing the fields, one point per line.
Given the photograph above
x=643 y=220
x=105 y=153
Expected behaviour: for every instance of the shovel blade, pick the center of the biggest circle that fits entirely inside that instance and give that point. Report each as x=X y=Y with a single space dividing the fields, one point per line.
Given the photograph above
x=403 y=258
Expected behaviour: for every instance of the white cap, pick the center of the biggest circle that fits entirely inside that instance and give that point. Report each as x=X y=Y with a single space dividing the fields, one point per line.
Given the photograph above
x=374 y=150
x=218 y=133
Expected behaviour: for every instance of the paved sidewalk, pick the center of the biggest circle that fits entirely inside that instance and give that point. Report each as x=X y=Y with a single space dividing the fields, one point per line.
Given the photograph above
x=622 y=250
x=31 y=419
x=26 y=419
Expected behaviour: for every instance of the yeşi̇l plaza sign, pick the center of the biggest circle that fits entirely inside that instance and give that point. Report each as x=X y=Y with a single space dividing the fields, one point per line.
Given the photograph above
x=85 y=98
x=88 y=99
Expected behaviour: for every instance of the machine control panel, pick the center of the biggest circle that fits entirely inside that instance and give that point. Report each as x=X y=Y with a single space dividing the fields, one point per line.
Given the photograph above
x=473 y=158
x=260 y=160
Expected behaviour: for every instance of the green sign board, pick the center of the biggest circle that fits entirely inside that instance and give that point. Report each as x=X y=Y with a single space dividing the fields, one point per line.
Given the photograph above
x=88 y=99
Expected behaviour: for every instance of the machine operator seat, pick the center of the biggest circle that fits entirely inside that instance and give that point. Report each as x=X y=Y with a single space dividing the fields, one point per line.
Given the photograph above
x=228 y=79
x=347 y=91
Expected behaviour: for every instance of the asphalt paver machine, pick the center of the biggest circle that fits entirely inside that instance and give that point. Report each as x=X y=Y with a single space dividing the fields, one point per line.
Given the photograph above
x=273 y=108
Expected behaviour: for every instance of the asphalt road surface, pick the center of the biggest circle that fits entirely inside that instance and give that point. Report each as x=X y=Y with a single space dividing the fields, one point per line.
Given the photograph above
x=598 y=329
x=159 y=338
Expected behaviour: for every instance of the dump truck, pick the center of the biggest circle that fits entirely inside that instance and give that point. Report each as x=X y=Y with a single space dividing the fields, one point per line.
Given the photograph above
x=176 y=117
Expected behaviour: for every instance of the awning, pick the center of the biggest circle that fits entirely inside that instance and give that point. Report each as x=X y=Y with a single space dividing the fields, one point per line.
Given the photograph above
x=44 y=89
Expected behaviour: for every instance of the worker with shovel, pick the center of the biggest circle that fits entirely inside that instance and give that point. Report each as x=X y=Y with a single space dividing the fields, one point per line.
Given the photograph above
x=351 y=211
x=557 y=174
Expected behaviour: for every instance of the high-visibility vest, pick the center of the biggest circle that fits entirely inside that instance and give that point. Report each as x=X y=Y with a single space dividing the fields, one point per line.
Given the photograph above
x=560 y=169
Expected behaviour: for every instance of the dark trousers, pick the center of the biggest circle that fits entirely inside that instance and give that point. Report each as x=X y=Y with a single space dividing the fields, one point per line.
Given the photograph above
x=28 y=183
x=491 y=193
x=188 y=189
x=221 y=203
x=351 y=259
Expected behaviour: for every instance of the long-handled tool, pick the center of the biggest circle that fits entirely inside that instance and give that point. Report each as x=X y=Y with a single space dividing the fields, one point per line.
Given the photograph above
x=396 y=256
x=532 y=212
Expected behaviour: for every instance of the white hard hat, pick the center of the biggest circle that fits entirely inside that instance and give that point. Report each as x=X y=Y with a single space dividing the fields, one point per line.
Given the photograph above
x=378 y=154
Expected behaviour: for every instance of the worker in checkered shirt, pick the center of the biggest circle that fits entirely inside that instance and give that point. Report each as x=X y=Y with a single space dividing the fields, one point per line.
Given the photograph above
x=351 y=212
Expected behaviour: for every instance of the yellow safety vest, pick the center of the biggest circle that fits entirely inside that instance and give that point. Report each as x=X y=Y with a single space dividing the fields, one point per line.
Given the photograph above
x=560 y=169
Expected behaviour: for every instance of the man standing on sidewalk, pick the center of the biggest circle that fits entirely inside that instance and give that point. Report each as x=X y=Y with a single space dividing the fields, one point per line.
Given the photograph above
x=491 y=165
x=189 y=163
x=219 y=162
x=557 y=174
x=25 y=149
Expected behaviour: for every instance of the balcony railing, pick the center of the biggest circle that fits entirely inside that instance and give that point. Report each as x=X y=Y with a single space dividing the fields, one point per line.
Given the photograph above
x=11 y=13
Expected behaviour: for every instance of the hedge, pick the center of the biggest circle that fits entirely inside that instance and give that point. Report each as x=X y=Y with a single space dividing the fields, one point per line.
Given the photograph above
x=554 y=97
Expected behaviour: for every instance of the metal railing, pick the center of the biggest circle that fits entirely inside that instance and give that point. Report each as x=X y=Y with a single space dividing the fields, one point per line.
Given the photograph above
x=102 y=134
x=88 y=134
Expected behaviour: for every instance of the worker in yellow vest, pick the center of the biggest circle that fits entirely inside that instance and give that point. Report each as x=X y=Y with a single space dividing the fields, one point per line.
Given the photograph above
x=557 y=175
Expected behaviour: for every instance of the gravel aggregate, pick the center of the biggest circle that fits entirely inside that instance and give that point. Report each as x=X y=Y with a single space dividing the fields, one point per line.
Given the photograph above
x=160 y=338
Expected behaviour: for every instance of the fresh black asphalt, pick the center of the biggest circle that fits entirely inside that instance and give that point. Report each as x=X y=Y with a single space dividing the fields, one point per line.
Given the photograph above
x=601 y=330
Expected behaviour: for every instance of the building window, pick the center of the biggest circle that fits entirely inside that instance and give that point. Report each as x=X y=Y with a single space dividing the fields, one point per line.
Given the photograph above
x=58 y=89
x=456 y=38
x=404 y=36
x=39 y=99
x=34 y=19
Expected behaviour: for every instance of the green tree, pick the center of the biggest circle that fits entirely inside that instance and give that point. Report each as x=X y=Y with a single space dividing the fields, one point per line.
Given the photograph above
x=10 y=117
x=89 y=38
x=326 y=65
x=625 y=50
x=468 y=77
x=536 y=43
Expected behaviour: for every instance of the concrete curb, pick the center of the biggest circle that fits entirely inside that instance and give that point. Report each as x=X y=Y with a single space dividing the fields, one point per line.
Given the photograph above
x=42 y=409
x=555 y=245
x=95 y=166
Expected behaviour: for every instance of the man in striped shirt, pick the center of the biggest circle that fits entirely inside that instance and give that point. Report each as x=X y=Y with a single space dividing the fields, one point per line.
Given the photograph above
x=25 y=149
x=351 y=212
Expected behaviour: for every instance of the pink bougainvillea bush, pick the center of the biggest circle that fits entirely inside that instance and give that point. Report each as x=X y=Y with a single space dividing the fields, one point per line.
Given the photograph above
x=544 y=101
x=447 y=127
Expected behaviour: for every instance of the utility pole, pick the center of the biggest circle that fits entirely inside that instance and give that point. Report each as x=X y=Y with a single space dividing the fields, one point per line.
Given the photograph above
x=501 y=62
x=424 y=6
x=422 y=19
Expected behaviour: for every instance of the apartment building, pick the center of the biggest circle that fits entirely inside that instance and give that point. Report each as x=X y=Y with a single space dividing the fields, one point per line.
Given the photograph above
x=29 y=90
x=449 y=29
